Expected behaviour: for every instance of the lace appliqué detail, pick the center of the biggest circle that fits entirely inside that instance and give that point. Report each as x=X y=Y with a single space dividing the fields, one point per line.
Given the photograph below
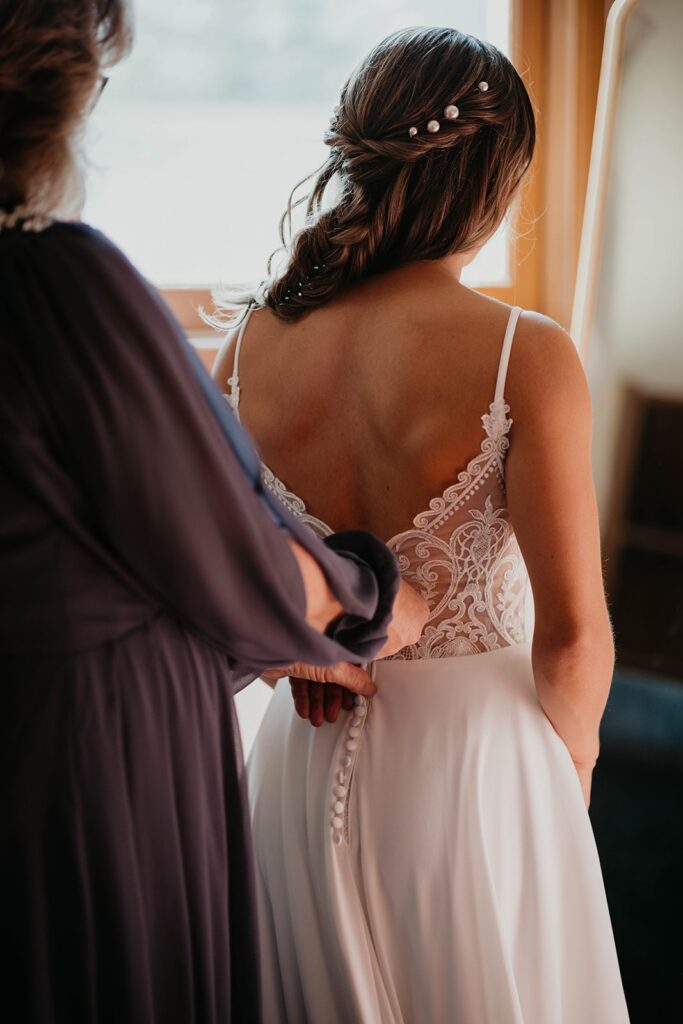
x=461 y=553
x=294 y=503
x=463 y=556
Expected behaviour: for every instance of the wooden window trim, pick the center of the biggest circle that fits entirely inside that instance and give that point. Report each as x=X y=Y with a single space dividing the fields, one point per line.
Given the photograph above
x=557 y=47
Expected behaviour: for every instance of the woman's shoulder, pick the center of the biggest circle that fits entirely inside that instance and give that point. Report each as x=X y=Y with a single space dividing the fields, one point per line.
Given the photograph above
x=60 y=245
x=81 y=275
x=91 y=242
x=77 y=260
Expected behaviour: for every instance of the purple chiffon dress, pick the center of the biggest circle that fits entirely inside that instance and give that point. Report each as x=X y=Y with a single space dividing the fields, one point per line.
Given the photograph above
x=144 y=576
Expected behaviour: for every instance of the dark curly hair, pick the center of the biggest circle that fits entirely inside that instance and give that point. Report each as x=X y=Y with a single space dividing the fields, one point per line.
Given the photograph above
x=51 y=54
x=403 y=196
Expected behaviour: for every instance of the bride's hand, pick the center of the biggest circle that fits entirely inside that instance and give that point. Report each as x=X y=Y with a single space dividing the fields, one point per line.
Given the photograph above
x=320 y=692
x=585 y=778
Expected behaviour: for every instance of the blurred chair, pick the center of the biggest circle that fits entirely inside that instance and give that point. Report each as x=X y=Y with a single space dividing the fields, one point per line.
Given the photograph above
x=637 y=815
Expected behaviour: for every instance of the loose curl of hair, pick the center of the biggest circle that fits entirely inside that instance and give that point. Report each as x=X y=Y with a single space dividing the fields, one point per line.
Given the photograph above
x=51 y=54
x=404 y=198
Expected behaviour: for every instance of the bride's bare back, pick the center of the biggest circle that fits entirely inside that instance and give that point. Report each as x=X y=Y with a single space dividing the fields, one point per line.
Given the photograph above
x=368 y=407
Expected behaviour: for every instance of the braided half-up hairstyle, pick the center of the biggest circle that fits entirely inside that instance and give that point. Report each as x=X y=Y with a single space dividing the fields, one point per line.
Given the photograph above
x=403 y=191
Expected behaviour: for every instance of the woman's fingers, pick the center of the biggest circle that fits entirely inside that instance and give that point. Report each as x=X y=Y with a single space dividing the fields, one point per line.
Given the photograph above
x=321 y=692
x=316 y=695
x=333 y=701
x=346 y=699
x=272 y=675
x=300 y=694
x=354 y=678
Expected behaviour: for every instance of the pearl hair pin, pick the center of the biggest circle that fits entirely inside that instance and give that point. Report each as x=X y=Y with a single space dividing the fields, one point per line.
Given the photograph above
x=450 y=112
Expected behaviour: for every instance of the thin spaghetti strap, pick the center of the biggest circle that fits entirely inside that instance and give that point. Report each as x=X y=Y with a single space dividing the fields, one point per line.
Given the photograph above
x=505 y=354
x=234 y=378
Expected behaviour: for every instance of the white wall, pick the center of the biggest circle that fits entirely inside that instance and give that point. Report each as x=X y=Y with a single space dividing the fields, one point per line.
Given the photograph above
x=638 y=329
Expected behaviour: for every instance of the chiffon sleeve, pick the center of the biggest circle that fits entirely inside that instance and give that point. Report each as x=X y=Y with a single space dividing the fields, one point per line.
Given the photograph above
x=168 y=480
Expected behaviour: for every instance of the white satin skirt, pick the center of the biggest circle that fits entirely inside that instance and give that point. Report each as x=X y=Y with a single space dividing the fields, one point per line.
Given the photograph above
x=429 y=858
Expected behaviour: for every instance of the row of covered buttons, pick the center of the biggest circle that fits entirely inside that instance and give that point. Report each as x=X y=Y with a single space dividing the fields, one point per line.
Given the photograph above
x=340 y=789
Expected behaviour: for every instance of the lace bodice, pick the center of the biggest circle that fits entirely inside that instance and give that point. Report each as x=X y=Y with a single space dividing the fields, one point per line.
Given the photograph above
x=461 y=553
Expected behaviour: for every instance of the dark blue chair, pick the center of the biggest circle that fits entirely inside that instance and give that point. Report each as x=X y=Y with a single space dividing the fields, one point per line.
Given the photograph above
x=637 y=815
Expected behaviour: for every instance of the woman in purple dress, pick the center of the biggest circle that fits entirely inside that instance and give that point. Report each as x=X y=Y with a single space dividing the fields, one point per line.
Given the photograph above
x=144 y=575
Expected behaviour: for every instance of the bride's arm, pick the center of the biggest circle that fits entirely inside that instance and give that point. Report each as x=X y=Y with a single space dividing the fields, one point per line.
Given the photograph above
x=552 y=504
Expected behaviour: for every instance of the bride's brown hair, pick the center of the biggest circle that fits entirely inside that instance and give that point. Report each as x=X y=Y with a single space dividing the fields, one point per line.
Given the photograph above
x=51 y=54
x=402 y=195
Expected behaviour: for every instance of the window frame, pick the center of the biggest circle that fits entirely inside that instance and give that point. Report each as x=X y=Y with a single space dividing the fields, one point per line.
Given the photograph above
x=556 y=46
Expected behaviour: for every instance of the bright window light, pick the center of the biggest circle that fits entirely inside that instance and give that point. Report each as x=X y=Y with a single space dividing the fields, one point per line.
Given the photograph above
x=203 y=131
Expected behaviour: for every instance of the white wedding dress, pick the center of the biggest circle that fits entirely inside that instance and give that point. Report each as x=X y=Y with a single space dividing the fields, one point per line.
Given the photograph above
x=429 y=859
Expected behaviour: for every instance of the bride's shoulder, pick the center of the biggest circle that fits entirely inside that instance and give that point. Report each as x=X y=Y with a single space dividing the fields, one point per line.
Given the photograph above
x=542 y=328
x=542 y=347
x=545 y=377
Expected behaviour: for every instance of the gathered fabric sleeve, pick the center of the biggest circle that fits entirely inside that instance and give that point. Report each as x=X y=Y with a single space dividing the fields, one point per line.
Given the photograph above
x=169 y=481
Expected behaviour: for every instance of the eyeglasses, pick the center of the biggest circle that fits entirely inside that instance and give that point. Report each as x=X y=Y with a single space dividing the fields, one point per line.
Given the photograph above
x=100 y=89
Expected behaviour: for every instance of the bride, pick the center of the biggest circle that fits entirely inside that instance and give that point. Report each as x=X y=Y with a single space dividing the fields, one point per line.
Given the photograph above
x=427 y=858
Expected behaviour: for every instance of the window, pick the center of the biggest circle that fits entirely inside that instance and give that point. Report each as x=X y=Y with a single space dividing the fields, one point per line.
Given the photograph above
x=204 y=130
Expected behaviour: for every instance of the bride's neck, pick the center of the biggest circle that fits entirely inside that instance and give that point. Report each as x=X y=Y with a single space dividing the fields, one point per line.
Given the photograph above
x=452 y=266
x=446 y=270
